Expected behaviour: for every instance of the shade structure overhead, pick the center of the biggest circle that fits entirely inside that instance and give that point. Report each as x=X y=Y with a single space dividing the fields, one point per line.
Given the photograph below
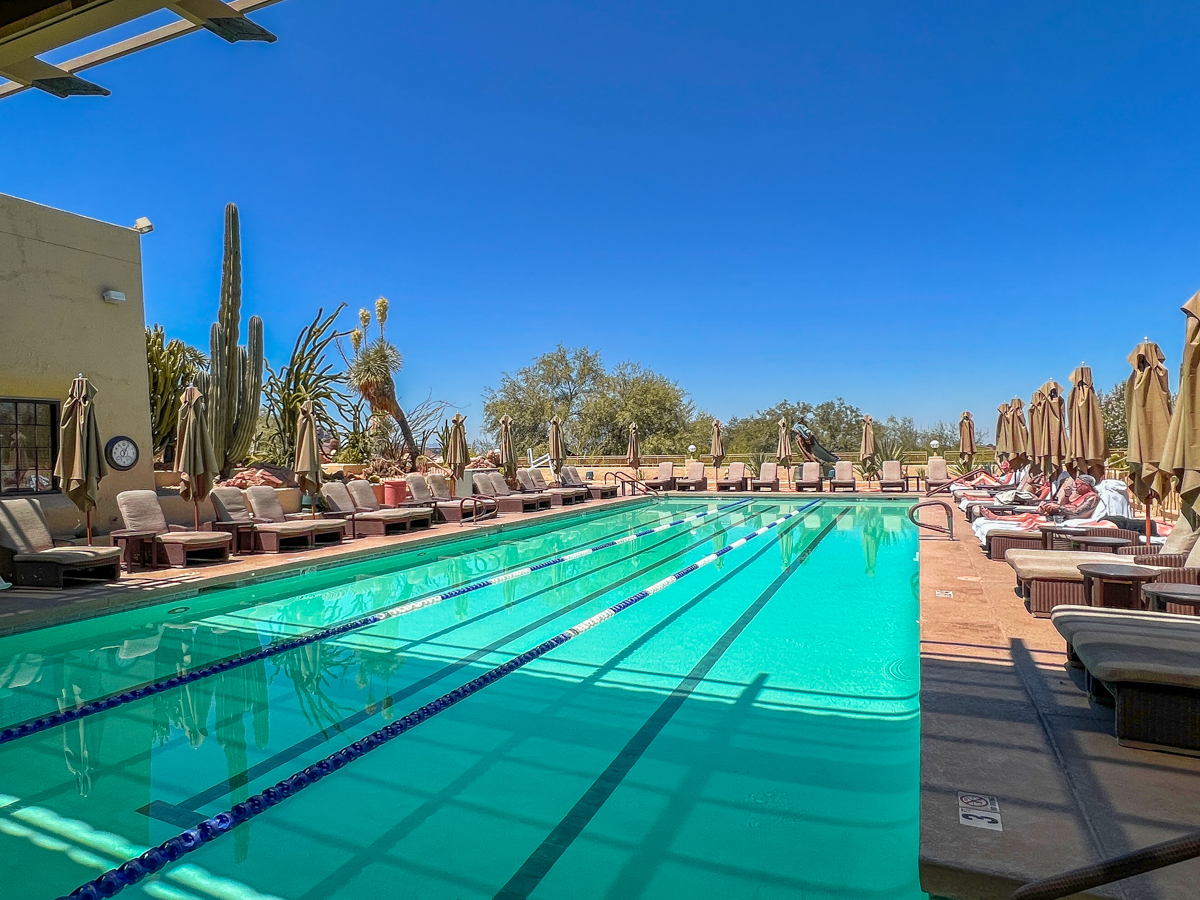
x=1087 y=447
x=1181 y=453
x=1148 y=420
x=80 y=464
x=966 y=436
x=31 y=28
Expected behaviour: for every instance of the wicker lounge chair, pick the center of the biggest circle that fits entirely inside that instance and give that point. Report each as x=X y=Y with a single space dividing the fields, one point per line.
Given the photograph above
x=29 y=557
x=539 y=481
x=457 y=509
x=1147 y=665
x=735 y=478
x=419 y=515
x=141 y=512
x=664 y=479
x=892 y=478
x=768 y=478
x=558 y=496
x=234 y=516
x=596 y=489
x=509 y=498
x=695 y=480
x=936 y=475
x=265 y=507
x=843 y=476
x=365 y=522
x=808 y=477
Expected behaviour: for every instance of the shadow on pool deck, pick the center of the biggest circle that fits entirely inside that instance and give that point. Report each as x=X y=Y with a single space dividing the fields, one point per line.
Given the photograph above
x=1002 y=715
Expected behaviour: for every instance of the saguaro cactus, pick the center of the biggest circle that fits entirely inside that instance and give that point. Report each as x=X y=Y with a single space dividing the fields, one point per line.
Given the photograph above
x=233 y=388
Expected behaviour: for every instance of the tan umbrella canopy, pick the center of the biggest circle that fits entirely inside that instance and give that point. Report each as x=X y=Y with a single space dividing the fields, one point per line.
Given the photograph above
x=1181 y=454
x=1087 y=447
x=508 y=452
x=966 y=437
x=557 y=454
x=308 y=453
x=633 y=458
x=866 y=447
x=1148 y=419
x=1047 y=428
x=195 y=460
x=1018 y=434
x=718 y=446
x=783 y=449
x=80 y=464
x=457 y=455
x=1003 y=432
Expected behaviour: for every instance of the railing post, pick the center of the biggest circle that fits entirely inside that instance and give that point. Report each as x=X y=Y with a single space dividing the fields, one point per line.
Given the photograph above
x=947 y=529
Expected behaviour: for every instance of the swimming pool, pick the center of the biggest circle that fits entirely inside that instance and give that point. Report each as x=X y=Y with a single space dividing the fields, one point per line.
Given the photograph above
x=748 y=728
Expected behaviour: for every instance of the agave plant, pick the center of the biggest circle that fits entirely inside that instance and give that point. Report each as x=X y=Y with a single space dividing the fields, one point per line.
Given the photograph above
x=371 y=369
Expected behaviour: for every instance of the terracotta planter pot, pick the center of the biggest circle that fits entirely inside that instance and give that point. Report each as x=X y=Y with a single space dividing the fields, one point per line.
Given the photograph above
x=378 y=489
x=395 y=490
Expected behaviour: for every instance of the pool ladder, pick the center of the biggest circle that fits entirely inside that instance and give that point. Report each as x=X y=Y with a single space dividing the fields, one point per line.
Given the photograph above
x=636 y=485
x=947 y=529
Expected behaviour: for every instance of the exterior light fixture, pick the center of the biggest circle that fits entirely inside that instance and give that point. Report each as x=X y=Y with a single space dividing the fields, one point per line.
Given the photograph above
x=143 y=225
x=113 y=297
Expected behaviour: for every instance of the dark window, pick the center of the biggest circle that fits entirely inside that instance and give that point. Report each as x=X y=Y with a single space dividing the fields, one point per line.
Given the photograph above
x=28 y=446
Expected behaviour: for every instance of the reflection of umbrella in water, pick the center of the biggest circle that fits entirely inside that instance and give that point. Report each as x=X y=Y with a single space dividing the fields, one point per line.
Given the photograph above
x=718 y=543
x=83 y=737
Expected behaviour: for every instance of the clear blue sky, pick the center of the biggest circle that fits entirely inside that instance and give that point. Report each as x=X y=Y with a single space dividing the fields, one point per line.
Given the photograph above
x=922 y=208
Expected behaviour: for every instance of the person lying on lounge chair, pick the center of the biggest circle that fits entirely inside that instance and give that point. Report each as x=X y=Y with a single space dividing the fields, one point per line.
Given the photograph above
x=1077 y=499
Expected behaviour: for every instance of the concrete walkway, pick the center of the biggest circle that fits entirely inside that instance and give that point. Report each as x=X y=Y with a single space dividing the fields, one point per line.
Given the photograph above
x=1003 y=716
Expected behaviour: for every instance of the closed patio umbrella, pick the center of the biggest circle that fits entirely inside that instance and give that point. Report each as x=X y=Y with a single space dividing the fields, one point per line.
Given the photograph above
x=966 y=438
x=718 y=448
x=1018 y=434
x=508 y=452
x=633 y=457
x=1087 y=447
x=457 y=455
x=308 y=453
x=1003 y=433
x=557 y=454
x=1181 y=455
x=1047 y=429
x=866 y=447
x=783 y=447
x=80 y=464
x=195 y=460
x=1148 y=419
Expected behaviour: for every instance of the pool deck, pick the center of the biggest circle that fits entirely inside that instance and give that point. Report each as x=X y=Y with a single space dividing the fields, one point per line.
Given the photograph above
x=1001 y=715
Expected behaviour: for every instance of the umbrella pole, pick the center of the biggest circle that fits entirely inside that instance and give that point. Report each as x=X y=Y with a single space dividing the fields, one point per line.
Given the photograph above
x=88 y=516
x=196 y=510
x=1148 y=500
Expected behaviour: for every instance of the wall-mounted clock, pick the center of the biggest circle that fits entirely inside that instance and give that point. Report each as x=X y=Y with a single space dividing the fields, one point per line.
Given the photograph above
x=121 y=453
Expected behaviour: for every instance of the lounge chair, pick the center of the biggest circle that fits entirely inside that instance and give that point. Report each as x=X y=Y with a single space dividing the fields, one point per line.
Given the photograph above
x=596 y=489
x=695 y=480
x=365 y=522
x=141 y=512
x=735 y=478
x=419 y=515
x=422 y=496
x=234 y=516
x=265 y=507
x=808 y=477
x=936 y=475
x=892 y=478
x=493 y=484
x=29 y=557
x=1146 y=664
x=558 y=496
x=539 y=481
x=768 y=478
x=843 y=476
x=457 y=509
x=664 y=480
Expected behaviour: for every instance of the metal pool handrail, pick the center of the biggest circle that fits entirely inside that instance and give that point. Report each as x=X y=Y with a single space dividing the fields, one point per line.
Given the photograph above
x=1156 y=856
x=636 y=484
x=947 y=529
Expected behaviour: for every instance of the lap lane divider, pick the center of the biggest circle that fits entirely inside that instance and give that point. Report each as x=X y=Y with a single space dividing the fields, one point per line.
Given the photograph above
x=63 y=717
x=173 y=849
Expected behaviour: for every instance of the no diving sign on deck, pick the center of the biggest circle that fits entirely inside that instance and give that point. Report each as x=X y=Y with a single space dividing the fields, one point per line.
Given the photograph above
x=979 y=811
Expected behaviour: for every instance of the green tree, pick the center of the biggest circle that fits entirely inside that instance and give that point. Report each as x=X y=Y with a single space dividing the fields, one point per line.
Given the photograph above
x=835 y=423
x=1116 y=427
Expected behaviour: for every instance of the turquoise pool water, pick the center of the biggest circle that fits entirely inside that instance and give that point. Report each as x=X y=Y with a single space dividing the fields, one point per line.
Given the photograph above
x=748 y=731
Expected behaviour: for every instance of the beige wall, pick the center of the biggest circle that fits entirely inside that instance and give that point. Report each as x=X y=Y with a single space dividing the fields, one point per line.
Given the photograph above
x=54 y=324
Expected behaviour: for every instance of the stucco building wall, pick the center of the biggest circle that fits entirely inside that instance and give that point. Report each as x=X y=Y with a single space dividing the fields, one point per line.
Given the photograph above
x=54 y=324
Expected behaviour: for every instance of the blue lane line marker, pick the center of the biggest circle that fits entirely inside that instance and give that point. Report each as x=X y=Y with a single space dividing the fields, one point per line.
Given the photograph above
x=91 y=708
x=173 y=849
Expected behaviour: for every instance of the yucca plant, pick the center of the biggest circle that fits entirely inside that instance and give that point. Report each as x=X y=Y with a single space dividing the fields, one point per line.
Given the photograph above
x=371 y=369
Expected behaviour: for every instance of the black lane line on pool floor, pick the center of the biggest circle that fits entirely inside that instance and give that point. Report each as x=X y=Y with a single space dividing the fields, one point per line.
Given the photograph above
x=185 y=810
x=345 y=873
x=542 y=860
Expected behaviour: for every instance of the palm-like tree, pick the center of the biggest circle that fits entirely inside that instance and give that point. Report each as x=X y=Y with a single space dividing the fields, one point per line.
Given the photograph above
x=371 y=368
